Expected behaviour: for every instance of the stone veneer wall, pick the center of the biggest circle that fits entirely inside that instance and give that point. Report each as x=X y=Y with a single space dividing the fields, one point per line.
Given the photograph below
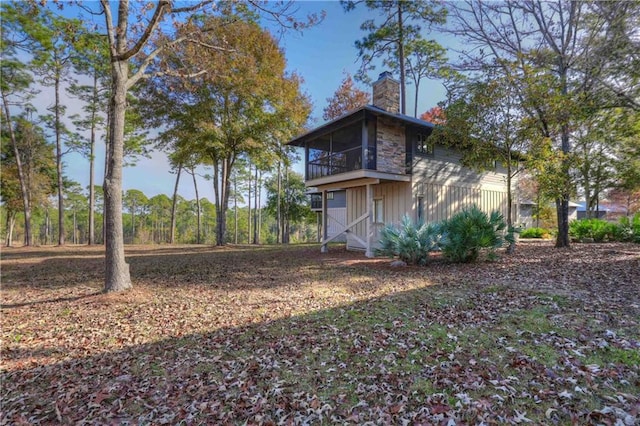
x=386 y=94
x=391 y=147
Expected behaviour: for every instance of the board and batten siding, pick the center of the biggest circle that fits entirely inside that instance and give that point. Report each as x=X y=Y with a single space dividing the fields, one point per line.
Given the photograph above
x=397 y=201
x=447 y=187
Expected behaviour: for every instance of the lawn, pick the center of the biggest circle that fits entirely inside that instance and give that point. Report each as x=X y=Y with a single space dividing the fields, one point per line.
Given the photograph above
x=286 y=335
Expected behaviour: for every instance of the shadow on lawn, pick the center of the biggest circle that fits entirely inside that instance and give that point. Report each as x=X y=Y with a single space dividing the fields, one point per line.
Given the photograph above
x=226 y=267
x=377 y=359
x=374 y=360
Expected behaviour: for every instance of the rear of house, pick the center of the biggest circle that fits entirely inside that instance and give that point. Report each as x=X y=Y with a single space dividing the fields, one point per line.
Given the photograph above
x=382 y=161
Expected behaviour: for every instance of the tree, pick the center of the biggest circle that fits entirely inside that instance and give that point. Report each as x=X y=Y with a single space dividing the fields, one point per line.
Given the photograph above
x=159 y=211
x=129 y=64
x=435 y=115
x=76 y=201
x=484 y=124
x=14 y=83
x=53 y=40
x=236 y=108
x=92 y=60
x=293 y=203
x=545 y=51
x=346 y=98
x=136 y=202
x=401 y=25
x=36 y=179
x=425 y=59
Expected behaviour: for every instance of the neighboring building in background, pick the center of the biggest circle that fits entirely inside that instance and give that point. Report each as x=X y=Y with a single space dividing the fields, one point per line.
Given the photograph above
x=387 y=169
x=527 y=211
x=605 y=210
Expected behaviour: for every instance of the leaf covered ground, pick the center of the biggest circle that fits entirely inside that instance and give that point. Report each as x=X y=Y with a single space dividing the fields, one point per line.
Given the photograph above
x=255 y=335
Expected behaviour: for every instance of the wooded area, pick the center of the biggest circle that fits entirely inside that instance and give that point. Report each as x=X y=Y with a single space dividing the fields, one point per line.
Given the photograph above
x=549 y=89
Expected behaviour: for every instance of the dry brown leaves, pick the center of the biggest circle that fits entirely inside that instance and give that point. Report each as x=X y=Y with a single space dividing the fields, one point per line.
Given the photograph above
x=290 y=336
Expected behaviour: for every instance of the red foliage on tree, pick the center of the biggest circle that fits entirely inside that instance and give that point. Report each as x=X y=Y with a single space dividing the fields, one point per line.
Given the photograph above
x=435 y=115
x=346 y=98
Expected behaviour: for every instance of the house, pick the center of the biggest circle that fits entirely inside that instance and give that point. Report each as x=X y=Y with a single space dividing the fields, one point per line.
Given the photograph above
x=336 y=213
x=527 y=209
x=383 y=162
x=605 y=210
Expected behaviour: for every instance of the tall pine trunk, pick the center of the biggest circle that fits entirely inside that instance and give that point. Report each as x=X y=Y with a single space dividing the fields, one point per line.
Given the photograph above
x=11 y=221
x=21 y=175
x=255 y=208
x=235 y=210
x=172 y=237
x=562 y=203
x=117 y=276
x=195 y=186
x=249 y=209
x=92 y=147
x=403 y=96
x=58 y=127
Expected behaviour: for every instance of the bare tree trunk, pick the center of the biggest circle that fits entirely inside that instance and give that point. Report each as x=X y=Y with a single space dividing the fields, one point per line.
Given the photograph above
x=222 y=185
x=403 y=101
x=21 y=176
x=172 y=237
x=117 y=276
x=249 y=209
x=92 y=147
x=235 y=210
x=107 y=153
x=59 y=165
x=11 y=221
x=255 y=208
x=259 y=205
x=195 y=186
x=278 y=209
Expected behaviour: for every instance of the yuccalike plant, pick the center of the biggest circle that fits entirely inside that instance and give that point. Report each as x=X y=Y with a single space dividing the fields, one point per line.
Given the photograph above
x=472 y=230
x=410 y=242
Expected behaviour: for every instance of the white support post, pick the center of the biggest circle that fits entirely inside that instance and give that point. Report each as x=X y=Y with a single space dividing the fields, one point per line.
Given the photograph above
x=325 y=223
x=369 y=227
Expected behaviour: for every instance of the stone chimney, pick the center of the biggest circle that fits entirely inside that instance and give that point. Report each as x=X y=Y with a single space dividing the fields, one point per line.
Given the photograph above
x=386 y=93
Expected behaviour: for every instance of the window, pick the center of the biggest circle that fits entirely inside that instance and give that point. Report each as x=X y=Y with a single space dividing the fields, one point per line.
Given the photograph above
x=329 y=195
x=378 y=210
x=420 y=209
x=423 y=147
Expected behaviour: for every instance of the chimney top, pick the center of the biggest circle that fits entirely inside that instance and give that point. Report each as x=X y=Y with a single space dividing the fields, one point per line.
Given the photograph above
x=385 y=74
x=386 y=93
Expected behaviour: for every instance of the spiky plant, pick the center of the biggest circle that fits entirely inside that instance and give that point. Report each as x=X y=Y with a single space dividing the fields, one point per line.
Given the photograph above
x=410 y=242
x=472 y=230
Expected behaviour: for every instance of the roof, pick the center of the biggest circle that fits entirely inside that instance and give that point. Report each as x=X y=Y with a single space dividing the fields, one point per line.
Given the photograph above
x=353 y=116
x=604 y=206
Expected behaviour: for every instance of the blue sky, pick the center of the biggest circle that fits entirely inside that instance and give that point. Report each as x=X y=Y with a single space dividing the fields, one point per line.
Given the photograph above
x=321 y=55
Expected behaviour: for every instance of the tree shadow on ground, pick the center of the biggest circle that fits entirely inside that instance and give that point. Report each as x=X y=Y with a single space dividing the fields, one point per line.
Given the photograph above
x=421 y=355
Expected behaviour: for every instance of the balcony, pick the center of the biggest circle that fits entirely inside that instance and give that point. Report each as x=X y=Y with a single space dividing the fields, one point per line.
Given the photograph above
x=325 y=163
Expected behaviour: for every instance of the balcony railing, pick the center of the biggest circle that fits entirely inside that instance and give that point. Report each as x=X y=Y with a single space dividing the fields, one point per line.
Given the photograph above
x=341 y=162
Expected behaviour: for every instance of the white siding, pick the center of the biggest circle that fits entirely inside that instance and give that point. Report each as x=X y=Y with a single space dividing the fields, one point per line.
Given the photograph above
x=397 y=202
x=444 y=168
x=337 y=220
x=447 y=187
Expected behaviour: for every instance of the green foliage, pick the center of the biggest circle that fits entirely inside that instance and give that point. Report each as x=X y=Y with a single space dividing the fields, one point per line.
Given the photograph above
x=597 y=229
x=411 y=242
x=470 y=231
x=628 y=230
x=535 y=233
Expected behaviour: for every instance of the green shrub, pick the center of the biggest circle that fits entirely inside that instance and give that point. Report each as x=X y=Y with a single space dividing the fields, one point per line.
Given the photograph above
x=411 y=242
x=628 y=230
x=597 y=229
x=468 y=232
x=535 y=233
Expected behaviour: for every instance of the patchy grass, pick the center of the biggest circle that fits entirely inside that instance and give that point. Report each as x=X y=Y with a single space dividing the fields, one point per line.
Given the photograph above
x=260 y=335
